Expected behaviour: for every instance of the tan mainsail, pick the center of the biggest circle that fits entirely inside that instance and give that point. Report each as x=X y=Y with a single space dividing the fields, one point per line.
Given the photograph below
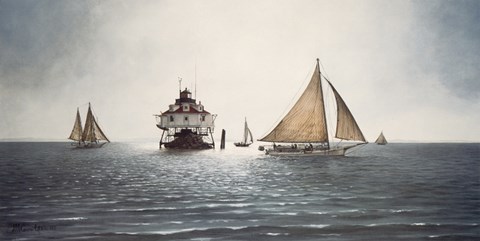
x=305 y=122
x=347 y=127
x=381 y=139
x=92 y=131
x=76 y=134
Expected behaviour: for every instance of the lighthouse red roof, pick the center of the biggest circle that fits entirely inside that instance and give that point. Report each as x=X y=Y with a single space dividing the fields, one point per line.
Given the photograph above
x=189 y=111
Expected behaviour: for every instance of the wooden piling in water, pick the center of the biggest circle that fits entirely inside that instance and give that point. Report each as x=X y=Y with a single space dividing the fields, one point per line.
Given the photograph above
x=222 y=142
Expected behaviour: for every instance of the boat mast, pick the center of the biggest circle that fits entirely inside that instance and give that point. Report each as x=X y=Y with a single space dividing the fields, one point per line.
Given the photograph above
x=323 y=102
x=245 y=132
x=195 y=97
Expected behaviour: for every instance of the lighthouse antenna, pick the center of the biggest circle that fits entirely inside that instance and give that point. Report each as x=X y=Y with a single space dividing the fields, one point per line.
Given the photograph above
x=195 y=97
x=179 y=84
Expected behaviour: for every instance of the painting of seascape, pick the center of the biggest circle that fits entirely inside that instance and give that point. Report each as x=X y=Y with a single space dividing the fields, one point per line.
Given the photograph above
x=127 y=120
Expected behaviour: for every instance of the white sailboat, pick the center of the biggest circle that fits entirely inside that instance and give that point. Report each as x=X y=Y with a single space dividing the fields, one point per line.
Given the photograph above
x=91 y=135
x=381 y=140
x=305 y=125
x=246 y=134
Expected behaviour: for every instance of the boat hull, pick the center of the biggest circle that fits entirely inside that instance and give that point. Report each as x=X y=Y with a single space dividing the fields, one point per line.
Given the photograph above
x=89 y=144
x=337 y=151
x=241 y=144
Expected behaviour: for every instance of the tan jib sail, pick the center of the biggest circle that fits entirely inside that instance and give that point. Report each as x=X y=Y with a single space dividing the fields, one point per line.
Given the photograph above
x=305 y=122
x=92 y=132
x=381 y=140
x=76 y=134
x=347 y=127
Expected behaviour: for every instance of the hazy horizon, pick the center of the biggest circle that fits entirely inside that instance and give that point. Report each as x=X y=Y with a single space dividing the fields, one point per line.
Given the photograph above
x=408 y=68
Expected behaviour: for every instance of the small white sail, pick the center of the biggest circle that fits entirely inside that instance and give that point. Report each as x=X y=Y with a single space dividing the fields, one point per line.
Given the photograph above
x=246 y=134
x=77 y=131
x=305 y=122
x=381 y=140
x=251 y=136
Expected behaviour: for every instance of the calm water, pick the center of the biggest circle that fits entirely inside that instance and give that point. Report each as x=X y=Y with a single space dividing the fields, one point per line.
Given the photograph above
x=131 y=191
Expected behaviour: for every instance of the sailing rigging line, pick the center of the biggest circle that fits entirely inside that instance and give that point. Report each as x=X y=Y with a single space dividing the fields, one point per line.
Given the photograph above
x=323 y=101
x=335 y=109
x=331 y=103
x=95 y=117
x=332 y=113
x=329 y=119
x=357 y=148
x=321 y=65
x=291 y=103
x=338 y=143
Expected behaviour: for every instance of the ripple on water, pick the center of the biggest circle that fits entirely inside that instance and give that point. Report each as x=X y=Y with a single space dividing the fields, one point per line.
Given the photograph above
x=418 y=191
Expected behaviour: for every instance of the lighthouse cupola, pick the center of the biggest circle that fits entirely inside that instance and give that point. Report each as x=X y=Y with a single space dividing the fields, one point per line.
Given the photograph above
x=185 y=97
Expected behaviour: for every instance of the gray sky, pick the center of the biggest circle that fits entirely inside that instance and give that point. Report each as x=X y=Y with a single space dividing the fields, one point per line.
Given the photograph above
x=409 y=68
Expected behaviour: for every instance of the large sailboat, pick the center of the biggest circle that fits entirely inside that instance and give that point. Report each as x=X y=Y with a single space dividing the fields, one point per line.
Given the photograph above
x=91 y=135
x=304 y=127
x=246 y=133
x=381 y=140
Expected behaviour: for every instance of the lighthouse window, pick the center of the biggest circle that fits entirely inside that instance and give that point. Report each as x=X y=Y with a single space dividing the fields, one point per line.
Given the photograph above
x=186 y=118
x=202 y=118
x=185 y=107
x=171 y=118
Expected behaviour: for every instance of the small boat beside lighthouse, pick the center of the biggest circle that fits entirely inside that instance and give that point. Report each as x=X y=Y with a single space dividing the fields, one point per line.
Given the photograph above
x=305 y=128
x=246 y=134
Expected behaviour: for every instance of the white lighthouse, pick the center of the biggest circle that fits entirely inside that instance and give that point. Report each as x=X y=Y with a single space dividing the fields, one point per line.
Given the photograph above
x=186 y=124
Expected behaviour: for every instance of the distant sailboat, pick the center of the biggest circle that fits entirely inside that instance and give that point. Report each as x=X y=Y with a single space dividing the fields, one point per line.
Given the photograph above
x=91 y=135
x=381 y=139
x=306 y=123
x=246 y=134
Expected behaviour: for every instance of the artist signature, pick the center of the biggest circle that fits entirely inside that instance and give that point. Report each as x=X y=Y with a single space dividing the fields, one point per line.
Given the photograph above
x=29 y=227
